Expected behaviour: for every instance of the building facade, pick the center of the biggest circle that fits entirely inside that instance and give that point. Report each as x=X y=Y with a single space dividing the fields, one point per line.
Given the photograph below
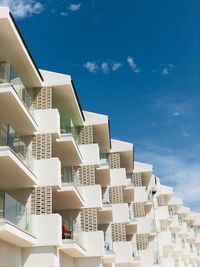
x=69 y=194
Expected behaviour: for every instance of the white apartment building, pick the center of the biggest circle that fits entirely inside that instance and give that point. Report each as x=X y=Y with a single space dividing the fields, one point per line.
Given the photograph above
x=70 y=196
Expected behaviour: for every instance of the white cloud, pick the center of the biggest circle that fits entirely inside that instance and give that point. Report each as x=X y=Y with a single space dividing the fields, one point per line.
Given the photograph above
x=132 y=64
x=91 y=66
x=65 y=14
x=105 y=67
x=23 y=8
x=167 y=69
x=115 y=66
x=176 y=113
x=74 y=7
x=176 y=169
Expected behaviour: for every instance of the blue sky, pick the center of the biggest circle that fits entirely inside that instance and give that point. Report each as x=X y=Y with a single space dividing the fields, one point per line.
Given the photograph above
x=138 y=62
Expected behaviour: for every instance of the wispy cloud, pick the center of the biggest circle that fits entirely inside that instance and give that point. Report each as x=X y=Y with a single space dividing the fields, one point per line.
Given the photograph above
x=23 y=8
x=176 y=169
x=133 y=65
x=105 y=67
x=91 y=66
x=115 y=66
x=65 y=14
x=167 y=69
x=74 y=7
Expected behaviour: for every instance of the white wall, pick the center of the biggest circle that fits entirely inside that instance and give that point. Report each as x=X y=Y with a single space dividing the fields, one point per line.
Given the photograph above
x=123 y=251
x=92 y=196
x=118 y=177
x=140 y=194
x=65 y=260
x=120 y=212
x=48 y=172
x=48 y=121
x=40 y=256
x=10 y=255
x=90 y=154
x=48 y=229
x=94 y=243
x=88 y=262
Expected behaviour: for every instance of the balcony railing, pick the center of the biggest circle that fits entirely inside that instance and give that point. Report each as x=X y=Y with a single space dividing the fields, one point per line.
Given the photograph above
x=14 y=212
x=108 y=247
x=69 y=176
x=103 y=159
x=8 y=75
x=8 y=137
x=73 y=232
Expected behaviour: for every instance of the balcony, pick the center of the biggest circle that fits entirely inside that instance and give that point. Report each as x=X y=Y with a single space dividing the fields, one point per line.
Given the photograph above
x=72 y=240
x=102 y=175
x=66 y=148
x=15 y=222
x=15 y=160
x=69 y=196
x=16 y=101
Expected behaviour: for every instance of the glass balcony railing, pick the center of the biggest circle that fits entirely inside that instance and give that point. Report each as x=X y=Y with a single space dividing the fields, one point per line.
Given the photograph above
x=8 y=75
x=14 y=212
x=103 y=159
x=8 y=137
x=69 y=176
x=108 y=246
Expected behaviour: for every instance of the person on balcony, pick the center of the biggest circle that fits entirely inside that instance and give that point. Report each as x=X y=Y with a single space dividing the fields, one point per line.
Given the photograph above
x=66 y=233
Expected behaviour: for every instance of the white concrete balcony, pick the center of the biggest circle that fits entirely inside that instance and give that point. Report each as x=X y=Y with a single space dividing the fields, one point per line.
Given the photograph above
x=126 y=154
x=53 y=168
x=131 y=227
x=102 y=175
x=15 y=222
x=118 y=177
x=66 y=149
x=165 y=238
x=90 y=154
x=14 y=111
x=141 y=194
x=162 y=213
x=123 y=252
x=73 y=245
x=73 y=248
x=105 y=214
x=68 y=197
x=92 y=196
x=128 y=194
x=14 y=172
x=48 y=121
x=120 y=213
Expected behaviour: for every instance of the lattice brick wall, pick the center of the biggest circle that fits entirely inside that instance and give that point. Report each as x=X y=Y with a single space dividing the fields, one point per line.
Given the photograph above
x=114 y=160
x=42 y=146
x=41 y=200
x=137 y=179
x=138 y=209
x=89 y=219
x=142 y=241
x=87 y=175
x=118 y=232
x=161 y=200
x=42 y=98
x=116 y=194
x=84 y=135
